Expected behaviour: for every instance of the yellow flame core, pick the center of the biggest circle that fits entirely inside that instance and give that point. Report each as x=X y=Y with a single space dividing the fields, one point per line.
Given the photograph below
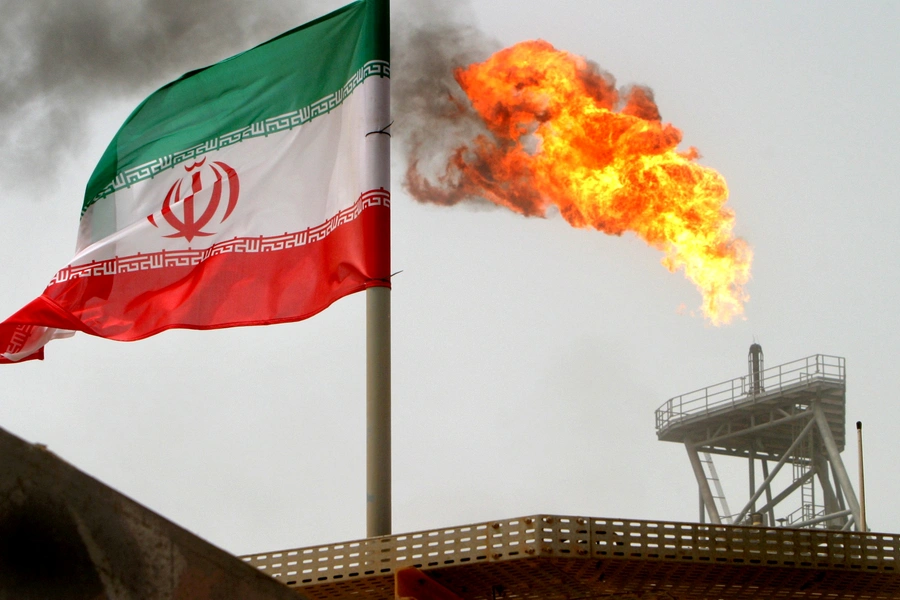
x=561 y=135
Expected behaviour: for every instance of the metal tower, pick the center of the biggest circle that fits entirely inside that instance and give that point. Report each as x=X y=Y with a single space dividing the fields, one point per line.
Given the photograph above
x=789 y=415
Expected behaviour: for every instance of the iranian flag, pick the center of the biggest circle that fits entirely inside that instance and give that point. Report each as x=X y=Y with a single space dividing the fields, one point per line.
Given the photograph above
x=254 y=191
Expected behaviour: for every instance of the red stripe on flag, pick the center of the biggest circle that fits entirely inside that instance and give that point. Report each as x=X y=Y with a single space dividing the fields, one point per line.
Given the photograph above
x=225 y=290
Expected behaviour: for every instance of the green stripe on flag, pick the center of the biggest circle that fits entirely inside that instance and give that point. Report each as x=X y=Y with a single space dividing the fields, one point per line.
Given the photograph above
x=132 y=175
x=287 y=75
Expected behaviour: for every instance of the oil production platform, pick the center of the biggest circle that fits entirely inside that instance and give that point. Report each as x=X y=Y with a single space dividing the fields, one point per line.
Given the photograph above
x=796 y=535
x=799 y=533
x=790 y=415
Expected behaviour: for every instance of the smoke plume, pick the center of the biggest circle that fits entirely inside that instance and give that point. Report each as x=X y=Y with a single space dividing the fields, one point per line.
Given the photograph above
x=62 y=60
x=430 y=40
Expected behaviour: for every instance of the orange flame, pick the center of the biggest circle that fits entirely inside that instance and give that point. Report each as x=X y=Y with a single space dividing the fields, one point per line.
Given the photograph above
x=556 y=138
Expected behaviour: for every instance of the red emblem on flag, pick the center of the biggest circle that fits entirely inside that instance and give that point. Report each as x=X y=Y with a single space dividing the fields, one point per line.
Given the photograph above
x=190 y=225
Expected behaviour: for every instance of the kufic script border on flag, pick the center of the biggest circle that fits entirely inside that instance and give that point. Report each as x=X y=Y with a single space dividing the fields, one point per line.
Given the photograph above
x=193 y=257
x=128 y=177
x=19 y=338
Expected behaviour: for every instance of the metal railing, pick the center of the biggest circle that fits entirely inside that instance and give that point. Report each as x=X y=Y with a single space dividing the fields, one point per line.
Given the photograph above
x=582 y=537
x=805 y=371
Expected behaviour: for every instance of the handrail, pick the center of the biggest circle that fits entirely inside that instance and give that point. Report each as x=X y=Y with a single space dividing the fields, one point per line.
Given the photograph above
x=582 y=537
x=805 y=371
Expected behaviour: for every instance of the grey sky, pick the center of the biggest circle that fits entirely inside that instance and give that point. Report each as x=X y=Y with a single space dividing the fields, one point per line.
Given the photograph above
x=528 y=356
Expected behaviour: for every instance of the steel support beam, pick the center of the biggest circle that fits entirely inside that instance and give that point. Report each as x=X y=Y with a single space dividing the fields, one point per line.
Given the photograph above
x=809 y=522
x=775 y=471
x=831 y=503
x=702 y=508
x=771 y=504
x=703 y=483
x=837 y=490
x=752 y=460
x=837 y=464
x=754 y=429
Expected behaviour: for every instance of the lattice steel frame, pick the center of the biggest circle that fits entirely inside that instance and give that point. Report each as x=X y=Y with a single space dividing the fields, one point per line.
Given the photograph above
x=732 y=419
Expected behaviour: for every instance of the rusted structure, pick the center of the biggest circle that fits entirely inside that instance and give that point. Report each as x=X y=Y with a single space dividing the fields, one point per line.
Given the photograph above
x=65 y=535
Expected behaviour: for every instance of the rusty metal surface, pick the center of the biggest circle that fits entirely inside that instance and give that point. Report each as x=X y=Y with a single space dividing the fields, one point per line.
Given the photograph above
x=66 y=535
x=411 y=583
x=549 y=556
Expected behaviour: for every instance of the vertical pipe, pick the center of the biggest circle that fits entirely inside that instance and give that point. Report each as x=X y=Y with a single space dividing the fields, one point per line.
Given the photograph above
x=755 y=363
x=378 y=411
x=862 y=480
x=752 y=460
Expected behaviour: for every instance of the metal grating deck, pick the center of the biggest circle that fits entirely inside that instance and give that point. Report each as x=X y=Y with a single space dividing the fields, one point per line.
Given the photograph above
x=548 y=556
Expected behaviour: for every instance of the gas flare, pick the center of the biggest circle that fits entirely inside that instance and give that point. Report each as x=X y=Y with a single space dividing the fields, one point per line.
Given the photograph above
x=559 y=133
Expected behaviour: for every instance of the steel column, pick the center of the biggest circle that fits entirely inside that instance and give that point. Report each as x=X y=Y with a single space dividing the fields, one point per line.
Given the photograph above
x=765 y=471
x=836 y=463
x=831 y=503
x=762 y=426
x=752 y=461
x=703 y=483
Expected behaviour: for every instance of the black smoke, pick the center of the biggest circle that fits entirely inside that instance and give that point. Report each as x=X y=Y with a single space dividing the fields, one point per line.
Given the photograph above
x=433 y=117
x=63 y=61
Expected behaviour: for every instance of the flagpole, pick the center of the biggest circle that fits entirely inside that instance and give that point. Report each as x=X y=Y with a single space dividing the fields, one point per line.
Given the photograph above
x=378 y=314
x=378 y=411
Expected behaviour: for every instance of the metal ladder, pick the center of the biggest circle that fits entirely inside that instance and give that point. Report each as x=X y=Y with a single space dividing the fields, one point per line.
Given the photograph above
x=802 y=465
x=712 y=476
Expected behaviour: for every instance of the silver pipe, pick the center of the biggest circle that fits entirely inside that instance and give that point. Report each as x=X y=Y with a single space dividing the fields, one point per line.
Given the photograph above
x=862 y=480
